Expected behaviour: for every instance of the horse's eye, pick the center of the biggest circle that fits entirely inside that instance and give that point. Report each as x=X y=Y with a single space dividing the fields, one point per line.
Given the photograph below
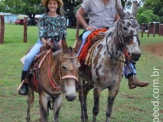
x=64 y=68
x=124 y=28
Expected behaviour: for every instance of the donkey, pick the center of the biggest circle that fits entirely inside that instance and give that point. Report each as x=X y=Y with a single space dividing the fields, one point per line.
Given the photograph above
x=57 y=75
x=106 y=67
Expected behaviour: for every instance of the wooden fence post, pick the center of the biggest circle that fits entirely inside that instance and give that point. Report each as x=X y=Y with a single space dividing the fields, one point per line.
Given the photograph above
x=142 y=29
x=148 y=29
x=2 y=28
x=154 y=29
x=25 y=29
x=161 y=29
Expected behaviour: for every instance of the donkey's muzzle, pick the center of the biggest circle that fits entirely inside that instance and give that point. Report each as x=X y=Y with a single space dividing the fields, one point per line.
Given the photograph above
x=70 y=97
x=136 y=56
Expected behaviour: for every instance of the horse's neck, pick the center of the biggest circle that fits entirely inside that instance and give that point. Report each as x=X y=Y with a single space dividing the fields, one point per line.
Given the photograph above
x=55 y=64
x=112 y=46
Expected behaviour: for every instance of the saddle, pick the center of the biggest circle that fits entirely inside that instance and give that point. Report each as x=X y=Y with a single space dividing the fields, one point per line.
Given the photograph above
x=92 y=41
x=32 y=75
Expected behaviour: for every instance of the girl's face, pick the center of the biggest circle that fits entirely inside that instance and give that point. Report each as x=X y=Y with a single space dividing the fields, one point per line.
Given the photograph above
x=52 y=5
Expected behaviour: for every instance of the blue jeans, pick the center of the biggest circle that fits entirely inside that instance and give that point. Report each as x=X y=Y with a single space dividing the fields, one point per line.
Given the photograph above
x=31 y=55
x=130 y=72
x=85 y=35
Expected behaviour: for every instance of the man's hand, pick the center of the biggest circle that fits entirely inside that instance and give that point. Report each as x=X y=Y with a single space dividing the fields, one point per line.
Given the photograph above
x=90 y=28
x=43 y=41
x=60 y=43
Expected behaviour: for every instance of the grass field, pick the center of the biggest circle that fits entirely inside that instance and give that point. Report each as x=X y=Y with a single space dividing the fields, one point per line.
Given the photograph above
x=130 y=105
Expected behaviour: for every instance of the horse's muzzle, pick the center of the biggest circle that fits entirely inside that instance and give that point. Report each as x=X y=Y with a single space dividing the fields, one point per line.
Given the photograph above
x=70 y=97
x=136 y=56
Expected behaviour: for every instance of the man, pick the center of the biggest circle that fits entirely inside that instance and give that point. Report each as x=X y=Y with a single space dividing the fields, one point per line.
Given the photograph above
x=103 y=14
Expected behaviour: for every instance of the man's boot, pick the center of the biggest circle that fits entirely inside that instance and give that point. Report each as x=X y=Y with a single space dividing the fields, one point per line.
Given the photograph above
x=133 y=82
x=23 y=90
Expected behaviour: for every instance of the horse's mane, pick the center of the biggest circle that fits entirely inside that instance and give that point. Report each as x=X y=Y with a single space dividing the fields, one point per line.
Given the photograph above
x=111 y=32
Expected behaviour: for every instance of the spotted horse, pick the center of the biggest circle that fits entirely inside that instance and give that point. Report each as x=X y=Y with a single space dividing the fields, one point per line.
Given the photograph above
x=106 y=68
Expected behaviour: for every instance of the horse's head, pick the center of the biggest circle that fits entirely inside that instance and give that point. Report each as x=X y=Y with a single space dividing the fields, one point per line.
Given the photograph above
x=128 y=29
x=69 y=70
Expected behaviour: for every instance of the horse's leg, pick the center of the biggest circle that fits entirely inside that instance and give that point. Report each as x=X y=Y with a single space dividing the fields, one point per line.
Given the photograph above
x=57 y=105
x=43 y=101
x=87 y=88
x=30 y=100
x=96 y=102
x=112 y=94
x=81 y=98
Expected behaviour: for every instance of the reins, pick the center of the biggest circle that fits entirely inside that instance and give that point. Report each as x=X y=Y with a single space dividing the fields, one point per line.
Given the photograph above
x=51 y=78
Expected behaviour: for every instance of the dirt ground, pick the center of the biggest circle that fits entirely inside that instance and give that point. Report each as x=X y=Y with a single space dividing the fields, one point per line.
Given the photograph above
x=155 y=49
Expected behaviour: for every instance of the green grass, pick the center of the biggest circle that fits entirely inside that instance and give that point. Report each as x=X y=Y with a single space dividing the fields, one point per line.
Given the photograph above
x=130 y=105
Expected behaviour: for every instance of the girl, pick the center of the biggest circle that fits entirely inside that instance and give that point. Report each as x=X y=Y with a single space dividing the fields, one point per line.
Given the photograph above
x=52 y=25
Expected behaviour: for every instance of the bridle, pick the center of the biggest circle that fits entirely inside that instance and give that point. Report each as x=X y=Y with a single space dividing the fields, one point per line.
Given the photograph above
x=51 y=78
x=69 y=76
x=121 y=41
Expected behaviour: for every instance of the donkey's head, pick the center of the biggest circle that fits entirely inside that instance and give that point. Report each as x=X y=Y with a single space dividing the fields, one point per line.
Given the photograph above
x=128 y=29
x=69 y=70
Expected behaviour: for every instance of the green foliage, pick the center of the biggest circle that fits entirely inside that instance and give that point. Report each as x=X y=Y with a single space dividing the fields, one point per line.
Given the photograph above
x=156 y=6
x=146 y=16
x=2 y=7
x=28 y=7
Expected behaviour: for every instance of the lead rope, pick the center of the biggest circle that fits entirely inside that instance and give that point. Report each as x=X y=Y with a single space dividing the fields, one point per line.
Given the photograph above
x=51 y=79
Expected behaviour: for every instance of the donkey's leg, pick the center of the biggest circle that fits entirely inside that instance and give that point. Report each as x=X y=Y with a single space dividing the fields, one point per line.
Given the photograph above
x=57 y=105
x=43 y=100
x=81 y=98
x=30 y=100
x=87 y=88
x=96 y=102
x=112 y=94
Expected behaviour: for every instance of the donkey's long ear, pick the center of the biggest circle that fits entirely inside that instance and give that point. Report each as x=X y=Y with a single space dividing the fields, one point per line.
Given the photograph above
x=119 y=9
x=77 y=46
x=65 y=48
x=135 y=8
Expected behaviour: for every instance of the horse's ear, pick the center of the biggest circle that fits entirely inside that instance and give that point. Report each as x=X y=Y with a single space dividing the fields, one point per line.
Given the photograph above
x=119 y=10
x=135 y=8
x=64 y=45
x=76 y=46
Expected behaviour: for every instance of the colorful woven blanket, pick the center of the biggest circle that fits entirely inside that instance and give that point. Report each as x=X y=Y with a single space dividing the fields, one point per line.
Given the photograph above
x=85 y=48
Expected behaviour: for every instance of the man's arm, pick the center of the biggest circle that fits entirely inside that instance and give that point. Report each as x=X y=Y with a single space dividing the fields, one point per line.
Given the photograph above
x=117 y=17
x=80 y=16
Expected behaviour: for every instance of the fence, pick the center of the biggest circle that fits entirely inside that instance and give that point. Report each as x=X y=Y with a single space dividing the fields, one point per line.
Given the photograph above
x=2 y=29
x=152 y=28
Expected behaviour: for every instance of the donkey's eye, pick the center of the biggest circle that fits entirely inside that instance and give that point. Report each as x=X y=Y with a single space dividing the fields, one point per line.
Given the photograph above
x=124 y=28
x=64 y=68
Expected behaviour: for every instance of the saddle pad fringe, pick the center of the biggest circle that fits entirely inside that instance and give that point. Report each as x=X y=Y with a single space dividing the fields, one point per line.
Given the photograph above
x=90 y=53
x=89 y=42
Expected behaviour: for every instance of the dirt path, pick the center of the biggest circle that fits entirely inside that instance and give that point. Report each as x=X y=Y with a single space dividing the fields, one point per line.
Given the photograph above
x=155 y=49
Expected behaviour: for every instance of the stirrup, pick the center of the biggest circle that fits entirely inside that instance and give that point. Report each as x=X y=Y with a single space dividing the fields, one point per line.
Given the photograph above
x=20 y=86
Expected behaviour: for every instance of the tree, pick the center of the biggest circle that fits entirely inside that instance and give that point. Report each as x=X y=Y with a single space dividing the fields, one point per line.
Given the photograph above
x=28 y=7
x=146 y=16
x=156 y=6
x=2 y=7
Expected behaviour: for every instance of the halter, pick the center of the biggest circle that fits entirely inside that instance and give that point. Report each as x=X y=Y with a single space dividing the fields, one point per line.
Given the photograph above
x=69 y=76
x=121 y=41
x=52 y=81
